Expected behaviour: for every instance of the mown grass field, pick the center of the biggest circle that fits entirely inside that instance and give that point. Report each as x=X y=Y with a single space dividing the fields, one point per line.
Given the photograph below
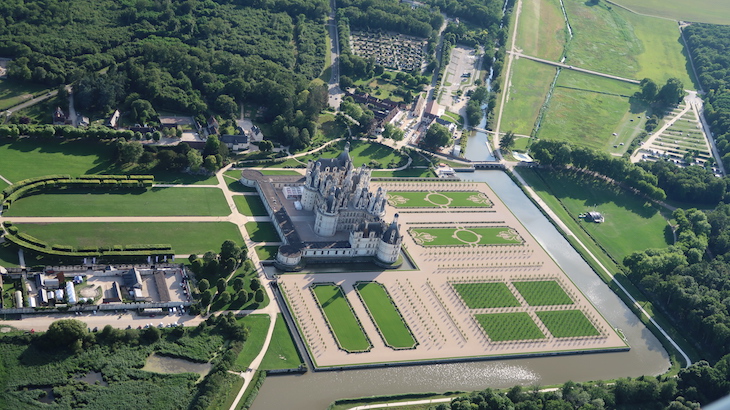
x=542 y=32
x=451 y=236
x=282 y=353
x=152 y=202
x=530 y=82
x=266 y=252
x=362 y=152
x=14 y=92
x=250 y=205
x=567 y=323
x=232 y=179
x=341 y=318
x=509 y=326
x=481 y=295
x=543 y=293
x=262 y=232
x=385 y=315
x=705 y=11
x=257 y=325
x=631 y=223
x=185 y=237
x=8 y=255
x=425 y=199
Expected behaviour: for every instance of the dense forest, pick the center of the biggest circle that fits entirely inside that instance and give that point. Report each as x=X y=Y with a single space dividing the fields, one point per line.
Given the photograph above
x=185 y=56
x=709 y=46
x=391 y=16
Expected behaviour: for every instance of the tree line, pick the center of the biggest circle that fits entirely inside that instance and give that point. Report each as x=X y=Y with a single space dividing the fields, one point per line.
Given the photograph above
x=390 y=16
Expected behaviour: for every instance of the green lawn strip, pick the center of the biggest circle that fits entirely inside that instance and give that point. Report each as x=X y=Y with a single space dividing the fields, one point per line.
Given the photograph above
x=250 y=205
x=3 y=184
x=232 y=179
x=262 y=232
x=705 y=11
x=509 y=326
x=257 y=326
x=180 y=178
x=341 y=318
x=542 y=32
x=185 y=237
x=421 y=199
x=482 y=295
x=529 y=84
x=567 y=323
x=386 y=316
x=152 y=202
x=266 y=252
x=8 y=255
x=445 y=236
x=405 y=173
x=543 y=293
x=282 y=353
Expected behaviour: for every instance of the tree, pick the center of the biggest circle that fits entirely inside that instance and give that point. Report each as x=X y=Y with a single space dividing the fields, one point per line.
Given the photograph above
x=221 y=285
x=130 y=152
x=225 y=298
x=195 y=159
x=238 y=284
x=649 y=90
x=206 y=297
x=436 y=137
x=255 y=284
x=229 y=249
x=211 y=163
x=151 y=334
x=212 y=145
x=226 y=105
x=266 y=146
x=203 y=285
x=66 y=333
x=672 y=92
x=507 y=141
x=141 y=111
x=242 y=296
x=259 y=296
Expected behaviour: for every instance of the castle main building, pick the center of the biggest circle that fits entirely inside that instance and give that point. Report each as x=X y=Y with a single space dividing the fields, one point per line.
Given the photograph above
x=338 y=217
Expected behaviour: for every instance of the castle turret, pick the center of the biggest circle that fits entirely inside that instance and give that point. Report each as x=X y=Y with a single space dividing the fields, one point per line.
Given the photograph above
x=390 y=243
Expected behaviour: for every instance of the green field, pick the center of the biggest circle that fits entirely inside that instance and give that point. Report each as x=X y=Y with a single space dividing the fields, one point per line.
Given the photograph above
x=262 y=232
x=541 y=31
x=282 y=353
x=509 y=326
x=530 y=82
x=152 y=202
x=386 y=316
x=340 y=317
x=13 y=93
x=362 y=152
x=232 y=179
x=8 y=255
x=250 y=205
x=185 y=237
x=567 y=323
x=543 y=293
x=704 y=11
x=461 y=237
x=446 y=199
x=631 y=223
x=482 y=295
x=266 y=252
x=257 y=325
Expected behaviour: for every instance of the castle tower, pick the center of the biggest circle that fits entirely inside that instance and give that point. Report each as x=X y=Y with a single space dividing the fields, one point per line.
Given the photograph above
x=390 y=243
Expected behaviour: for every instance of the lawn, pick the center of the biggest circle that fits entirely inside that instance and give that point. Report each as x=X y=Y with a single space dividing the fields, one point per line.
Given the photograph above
x=632 y=224
x=386 y=316
x=8 y=255
x=185 y=237
x=542 y=32
x=250 y=205
x=363 y=152
x=13 y=92
x=340 y=318
x=530 y=82
x=405 y=173
x=705 y=11
x=152 y=202
x=3 y=184
x=425 y=199
x=481 y=295
x=266 y=252
x=232 y=178
x=509 y=326
x=543 y=293
x=282 y=353
x=567 y=323
x=499 y=235
x=257 y=326
x=262 y=232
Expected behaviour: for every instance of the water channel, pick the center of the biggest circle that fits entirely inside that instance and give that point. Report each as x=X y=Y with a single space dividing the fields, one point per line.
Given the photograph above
x=647 y=356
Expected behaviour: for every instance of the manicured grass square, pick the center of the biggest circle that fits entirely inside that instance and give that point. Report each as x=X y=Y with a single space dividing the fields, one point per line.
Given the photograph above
x=341 y=318
x=483 y=295
x=543 y=293
x=262 y=232
x=266 y=252
x=425 y=199
x=250 y=205
x=499 y=235
x=567 y=323
x=385 y=315
x=282 y=353
x=509 y=326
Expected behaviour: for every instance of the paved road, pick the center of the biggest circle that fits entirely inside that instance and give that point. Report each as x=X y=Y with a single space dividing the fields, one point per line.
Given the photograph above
x=31 y=102
x=570 y=67
x=334 y=91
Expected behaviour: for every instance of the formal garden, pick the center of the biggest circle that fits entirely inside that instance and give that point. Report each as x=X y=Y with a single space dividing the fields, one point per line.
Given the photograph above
x=341 y=319
x=543 y=293
x=501 y=327
x=388 y=319
x=482 y=295
x=567 y=323
x=444 y=199
x=472 y=236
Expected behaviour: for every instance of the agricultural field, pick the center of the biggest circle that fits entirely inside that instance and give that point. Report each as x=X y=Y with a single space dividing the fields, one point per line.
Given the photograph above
x=152 y=202
x=543 y=293
x=500 y=235
x=529 y=84
x=262 y=232
x=340 y=318
x=631 y=224
x=386 y=316
x=185 y=237
x=703 y=11
x=542 y=32
x=444 y=199
x=502 y=327
x=482 y=295
x=250 y=205
x=567 y=323
x=282 y=353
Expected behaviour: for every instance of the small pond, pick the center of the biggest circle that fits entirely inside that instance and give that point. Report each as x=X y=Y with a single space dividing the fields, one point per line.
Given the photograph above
x=93 y=378
x=162 y=364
